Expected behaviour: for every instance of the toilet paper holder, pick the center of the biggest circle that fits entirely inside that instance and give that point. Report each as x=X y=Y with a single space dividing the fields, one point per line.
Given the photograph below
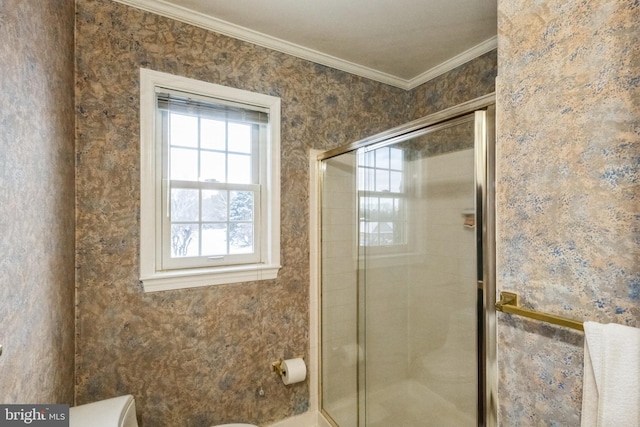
x=277 y=366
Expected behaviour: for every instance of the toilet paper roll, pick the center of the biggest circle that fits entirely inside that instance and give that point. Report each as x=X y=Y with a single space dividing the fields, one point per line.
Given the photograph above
x=293 y=371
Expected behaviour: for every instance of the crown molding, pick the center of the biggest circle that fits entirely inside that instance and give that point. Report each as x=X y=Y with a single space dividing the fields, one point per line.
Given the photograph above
x=188 y=16
x=458 y=60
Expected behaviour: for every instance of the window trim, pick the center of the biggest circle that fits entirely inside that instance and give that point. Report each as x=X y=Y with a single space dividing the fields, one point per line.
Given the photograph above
x=152 y=276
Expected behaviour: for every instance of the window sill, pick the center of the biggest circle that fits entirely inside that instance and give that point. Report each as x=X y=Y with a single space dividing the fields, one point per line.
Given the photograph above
x=194 y=278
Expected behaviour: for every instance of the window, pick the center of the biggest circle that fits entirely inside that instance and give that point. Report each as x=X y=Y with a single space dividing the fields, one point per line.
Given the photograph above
x=209 y=183
x=382 y=197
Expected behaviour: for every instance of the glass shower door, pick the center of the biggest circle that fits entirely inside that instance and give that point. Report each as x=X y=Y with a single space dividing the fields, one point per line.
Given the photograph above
x=339 y=308
x=402 y=320
x=417 y=269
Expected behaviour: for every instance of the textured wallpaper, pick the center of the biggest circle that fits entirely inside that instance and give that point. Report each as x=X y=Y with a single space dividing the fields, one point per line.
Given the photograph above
x=568 y=156
x=36 y=201
x=196 y=357
x=464 y=83
x=568 y=199
x=192 y=357
x=201 y=356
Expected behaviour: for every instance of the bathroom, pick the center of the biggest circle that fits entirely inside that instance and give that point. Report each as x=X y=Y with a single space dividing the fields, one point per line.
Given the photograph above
x=77 y=326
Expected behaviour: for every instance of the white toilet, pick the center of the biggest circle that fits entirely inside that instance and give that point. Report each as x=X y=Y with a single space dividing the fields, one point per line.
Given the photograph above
x=116 y=412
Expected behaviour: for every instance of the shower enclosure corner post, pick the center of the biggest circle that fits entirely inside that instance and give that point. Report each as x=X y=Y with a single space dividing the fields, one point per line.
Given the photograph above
x=315 y=260
x=485 y=199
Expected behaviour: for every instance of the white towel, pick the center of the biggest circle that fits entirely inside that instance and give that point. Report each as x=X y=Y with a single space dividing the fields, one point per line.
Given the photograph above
x=611 y=388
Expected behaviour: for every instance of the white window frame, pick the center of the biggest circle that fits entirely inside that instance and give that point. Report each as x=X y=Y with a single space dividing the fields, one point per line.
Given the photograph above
x=152 y=275
x=258 y=154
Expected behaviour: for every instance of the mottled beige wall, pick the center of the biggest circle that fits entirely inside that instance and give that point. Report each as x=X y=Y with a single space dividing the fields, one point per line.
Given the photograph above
x=568 y=195
x=464 y=83
x=36 y=201
x=196 y=357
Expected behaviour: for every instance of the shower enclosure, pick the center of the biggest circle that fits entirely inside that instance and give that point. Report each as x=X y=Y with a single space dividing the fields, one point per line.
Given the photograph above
x=407 y=335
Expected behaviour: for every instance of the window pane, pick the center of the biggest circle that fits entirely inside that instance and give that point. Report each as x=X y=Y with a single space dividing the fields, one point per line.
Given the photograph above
x=239 y=169
x=184 y=240
x=382 y=180
x=241 y=238
x=214 y=239
x=184 y=130
x=240 y=138
x=241 y=206
x=386 y=208
x=184 y=164
x=372 y=234
x=369 y=158
x=214 y=205
x=398 y=235
x=369 y=179
x=382 y=158
x=364 y=208
x=213 y=166
x=212 y=134
x=385 y=234
x=372 y=208
x=184 y=205
x=396 y=182
x=396 y=158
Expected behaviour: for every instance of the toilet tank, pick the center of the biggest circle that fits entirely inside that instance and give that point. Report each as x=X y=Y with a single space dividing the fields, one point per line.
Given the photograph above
x=116 y=412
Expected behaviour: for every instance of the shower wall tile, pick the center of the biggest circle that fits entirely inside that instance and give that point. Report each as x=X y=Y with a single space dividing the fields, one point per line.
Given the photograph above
x=387 y=328
x=448 y=249
x=196 y=357
x=567 y=192
x=36 y=201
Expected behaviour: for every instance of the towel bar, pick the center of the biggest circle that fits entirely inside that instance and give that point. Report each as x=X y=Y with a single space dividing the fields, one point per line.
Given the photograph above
x=509 y=304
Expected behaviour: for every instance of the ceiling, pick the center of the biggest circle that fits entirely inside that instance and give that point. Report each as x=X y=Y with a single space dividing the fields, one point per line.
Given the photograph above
x=399 y=42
